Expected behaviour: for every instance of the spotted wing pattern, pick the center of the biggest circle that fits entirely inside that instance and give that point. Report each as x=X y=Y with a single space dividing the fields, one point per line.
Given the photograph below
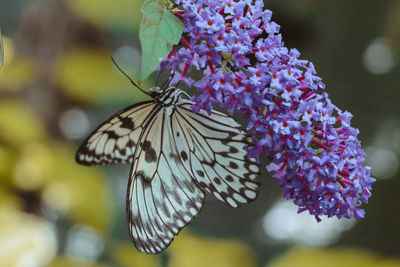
x=212 y=149
x=115 y=140
x=162 y=196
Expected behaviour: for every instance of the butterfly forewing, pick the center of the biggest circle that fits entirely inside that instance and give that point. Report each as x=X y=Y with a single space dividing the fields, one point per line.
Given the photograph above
x=150 y=144
x=115 y=140
x=211 y=147
x=160 y=205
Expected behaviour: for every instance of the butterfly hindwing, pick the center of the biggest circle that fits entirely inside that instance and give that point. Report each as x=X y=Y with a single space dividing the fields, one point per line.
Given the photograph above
x=115 y=140
x=211 y=147
x=162 y=201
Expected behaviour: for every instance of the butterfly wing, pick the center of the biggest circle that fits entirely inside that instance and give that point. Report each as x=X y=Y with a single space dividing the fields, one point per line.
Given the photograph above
x=114 y=141
x=162 y=195
x=211 y=147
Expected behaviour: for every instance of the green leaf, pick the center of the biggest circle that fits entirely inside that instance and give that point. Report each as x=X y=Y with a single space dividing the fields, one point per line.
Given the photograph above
x=159 y=31
x=1 y=50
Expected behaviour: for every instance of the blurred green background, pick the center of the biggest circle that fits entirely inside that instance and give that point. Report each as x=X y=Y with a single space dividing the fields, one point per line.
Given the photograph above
x=57 y=83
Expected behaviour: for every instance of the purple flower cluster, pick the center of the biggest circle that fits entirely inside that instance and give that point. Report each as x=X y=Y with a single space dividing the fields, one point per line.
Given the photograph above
x=246 y=68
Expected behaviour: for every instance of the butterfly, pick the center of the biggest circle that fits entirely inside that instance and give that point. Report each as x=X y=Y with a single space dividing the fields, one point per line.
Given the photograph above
x=177 y=156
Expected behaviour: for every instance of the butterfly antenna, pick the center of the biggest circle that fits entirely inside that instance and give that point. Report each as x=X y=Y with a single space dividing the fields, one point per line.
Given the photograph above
x=129 y=78
x=172 y=76
x=167 y=82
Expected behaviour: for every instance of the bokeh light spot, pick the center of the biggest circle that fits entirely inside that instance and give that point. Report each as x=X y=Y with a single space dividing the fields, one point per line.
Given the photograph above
x=25 y=240
x=57 y=196
x=378 y=58
x=84 y=242
x=384 y=162
x=283 y=223
x=74 y=123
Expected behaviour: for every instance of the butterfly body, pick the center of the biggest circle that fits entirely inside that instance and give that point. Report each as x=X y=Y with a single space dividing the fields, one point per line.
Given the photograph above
x=177 y=155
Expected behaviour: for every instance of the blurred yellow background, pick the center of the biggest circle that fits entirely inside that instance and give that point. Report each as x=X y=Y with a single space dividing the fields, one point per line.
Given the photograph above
x=58 y=82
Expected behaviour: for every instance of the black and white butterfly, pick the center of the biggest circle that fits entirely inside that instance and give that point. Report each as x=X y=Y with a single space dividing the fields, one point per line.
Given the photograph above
x=176 y=156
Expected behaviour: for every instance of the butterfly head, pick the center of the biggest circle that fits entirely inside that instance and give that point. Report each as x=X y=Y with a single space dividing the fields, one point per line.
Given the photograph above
x=155 y=92
x=166 y=97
